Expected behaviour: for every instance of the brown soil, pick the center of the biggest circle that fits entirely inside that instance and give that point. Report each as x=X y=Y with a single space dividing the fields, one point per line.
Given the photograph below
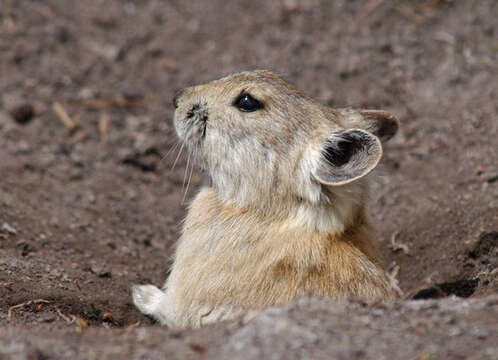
x=85 y=213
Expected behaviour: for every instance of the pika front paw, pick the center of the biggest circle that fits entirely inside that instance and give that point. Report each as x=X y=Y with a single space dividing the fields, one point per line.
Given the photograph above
x=146 y=298
x=154 y=302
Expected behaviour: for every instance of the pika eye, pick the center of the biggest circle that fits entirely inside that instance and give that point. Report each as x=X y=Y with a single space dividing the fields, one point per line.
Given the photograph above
x=245 y=102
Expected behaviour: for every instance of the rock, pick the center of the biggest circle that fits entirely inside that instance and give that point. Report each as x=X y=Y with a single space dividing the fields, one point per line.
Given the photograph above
x=8 y=229
x=23 y=113
x=24 y=148
x=107 y=51
x=27 y=249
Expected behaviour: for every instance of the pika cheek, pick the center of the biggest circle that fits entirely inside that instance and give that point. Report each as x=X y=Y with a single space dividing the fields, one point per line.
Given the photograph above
x=179 y=125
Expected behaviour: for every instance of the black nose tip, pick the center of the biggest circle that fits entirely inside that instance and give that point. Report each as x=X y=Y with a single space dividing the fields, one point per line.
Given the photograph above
x=176 y=97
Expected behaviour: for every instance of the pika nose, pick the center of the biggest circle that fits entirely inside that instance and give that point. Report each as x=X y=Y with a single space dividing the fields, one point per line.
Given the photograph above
x=176 y=97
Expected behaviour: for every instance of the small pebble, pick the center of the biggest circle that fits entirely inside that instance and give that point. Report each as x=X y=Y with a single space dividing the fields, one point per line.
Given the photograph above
x=23 y=114
x=48 y=318
x=9 y=229
x=454 y=331
x=491 y=177
x=24 y=148
x=479 y=333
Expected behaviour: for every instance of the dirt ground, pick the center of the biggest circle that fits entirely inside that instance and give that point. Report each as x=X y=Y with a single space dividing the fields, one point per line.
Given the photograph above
x=90 y=204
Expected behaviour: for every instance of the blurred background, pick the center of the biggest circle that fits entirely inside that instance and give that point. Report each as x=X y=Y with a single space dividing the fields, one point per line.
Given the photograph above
x=89 y=203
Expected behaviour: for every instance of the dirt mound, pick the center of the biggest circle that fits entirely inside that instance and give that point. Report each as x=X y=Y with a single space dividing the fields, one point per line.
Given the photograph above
x=308 y=329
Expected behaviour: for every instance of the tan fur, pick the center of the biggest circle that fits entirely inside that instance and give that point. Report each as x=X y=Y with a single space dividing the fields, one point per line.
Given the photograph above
x=271 y=228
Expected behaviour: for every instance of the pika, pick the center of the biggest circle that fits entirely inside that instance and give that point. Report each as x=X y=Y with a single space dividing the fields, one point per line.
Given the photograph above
x=285 y=213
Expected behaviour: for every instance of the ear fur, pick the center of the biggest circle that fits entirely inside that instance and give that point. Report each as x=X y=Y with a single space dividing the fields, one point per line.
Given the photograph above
x=347 y=156
x=381 y=123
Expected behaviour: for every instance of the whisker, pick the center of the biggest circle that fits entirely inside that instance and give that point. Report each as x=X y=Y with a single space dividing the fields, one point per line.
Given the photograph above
x=178 y=156
x=171 y=150
x=186 y=171
x=188 y=183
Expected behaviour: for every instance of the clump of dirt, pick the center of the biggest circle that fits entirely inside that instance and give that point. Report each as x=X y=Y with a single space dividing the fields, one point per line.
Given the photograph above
x=486 y=249
x=92 y=183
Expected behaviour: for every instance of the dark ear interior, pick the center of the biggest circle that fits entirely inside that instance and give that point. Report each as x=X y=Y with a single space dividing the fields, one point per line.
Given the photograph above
x=346 y=156
x=381 y=123
x=341 y=152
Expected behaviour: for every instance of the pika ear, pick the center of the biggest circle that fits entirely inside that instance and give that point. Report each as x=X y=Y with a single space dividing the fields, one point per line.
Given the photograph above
x=381 y=123
x=347 y=156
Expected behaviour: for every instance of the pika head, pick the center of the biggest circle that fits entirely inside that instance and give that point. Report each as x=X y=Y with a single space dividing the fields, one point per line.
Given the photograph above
x=261 y=141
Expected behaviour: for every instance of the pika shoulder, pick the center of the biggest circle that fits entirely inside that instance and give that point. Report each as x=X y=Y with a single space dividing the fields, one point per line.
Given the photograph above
x=285 y=215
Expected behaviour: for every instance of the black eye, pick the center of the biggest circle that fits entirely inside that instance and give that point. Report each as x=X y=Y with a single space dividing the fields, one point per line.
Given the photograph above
x=247 y=103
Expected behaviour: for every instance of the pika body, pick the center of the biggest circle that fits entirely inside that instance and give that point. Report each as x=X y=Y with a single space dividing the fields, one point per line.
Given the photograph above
x=285 y=214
